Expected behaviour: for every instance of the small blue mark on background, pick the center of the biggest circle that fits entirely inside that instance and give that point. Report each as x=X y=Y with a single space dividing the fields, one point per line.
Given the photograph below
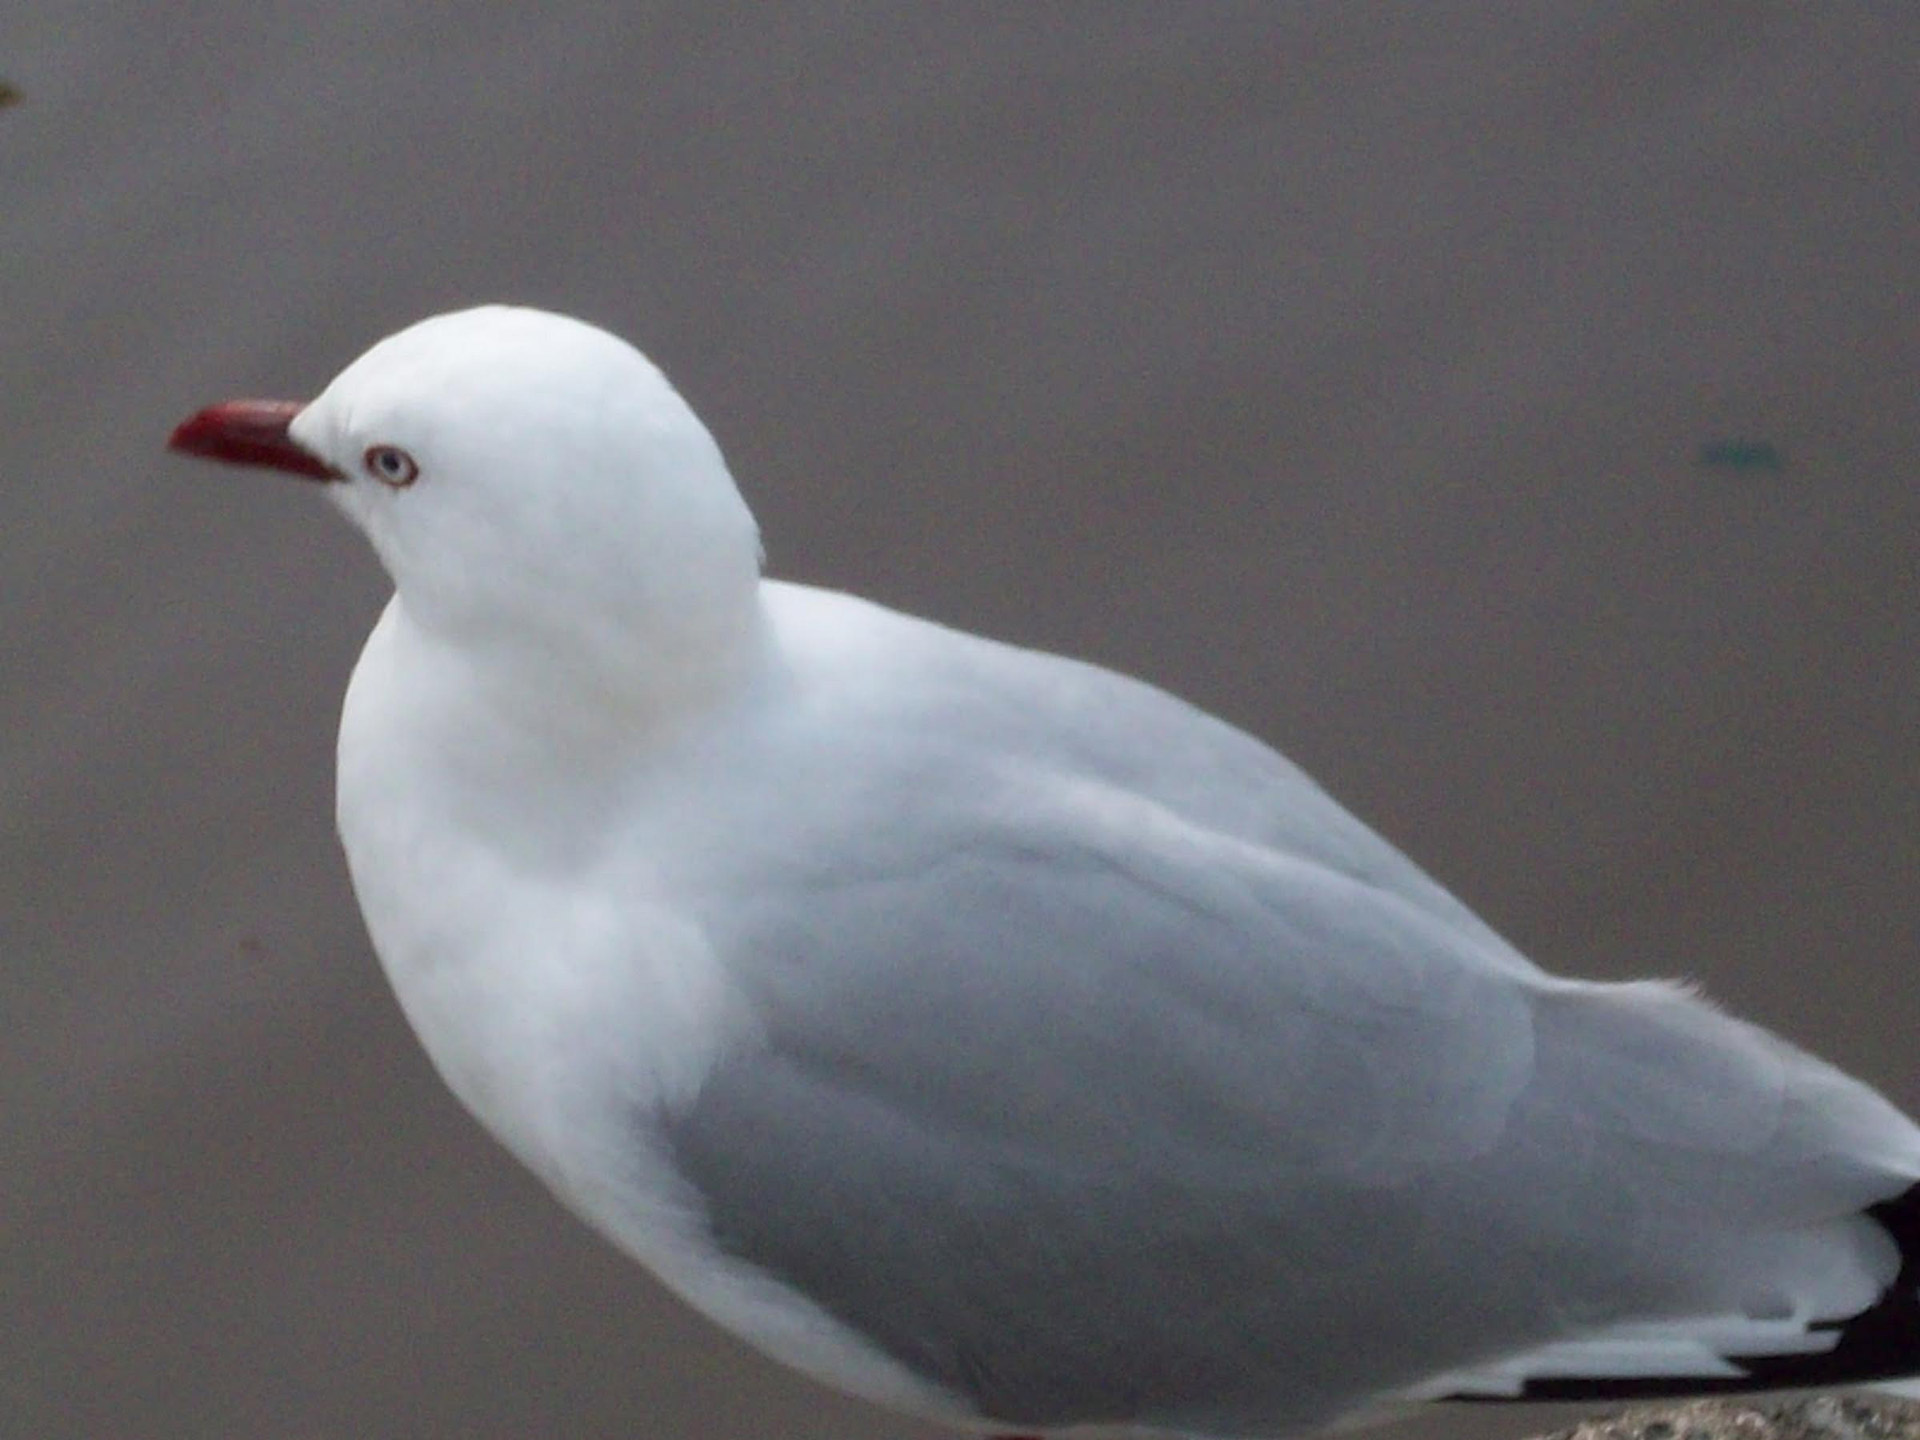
x=1741 y=455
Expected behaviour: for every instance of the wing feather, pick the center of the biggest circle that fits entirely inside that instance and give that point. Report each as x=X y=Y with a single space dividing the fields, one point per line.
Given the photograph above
x=1108 y=1072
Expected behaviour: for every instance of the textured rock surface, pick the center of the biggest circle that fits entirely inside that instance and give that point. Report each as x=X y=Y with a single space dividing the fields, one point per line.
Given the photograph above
x=1804 y=1417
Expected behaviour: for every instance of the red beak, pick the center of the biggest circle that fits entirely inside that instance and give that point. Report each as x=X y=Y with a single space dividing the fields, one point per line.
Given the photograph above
x=250 y=432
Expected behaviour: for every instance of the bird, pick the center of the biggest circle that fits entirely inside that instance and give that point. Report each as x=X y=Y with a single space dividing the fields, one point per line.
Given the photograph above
x=988 y=1034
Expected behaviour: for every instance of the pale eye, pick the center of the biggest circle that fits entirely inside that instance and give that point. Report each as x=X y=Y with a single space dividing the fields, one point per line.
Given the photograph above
x=390 y=465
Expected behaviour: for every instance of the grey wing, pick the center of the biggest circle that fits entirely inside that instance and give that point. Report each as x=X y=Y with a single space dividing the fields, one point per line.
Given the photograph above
x=1074 y=1107
x=1091 y=1114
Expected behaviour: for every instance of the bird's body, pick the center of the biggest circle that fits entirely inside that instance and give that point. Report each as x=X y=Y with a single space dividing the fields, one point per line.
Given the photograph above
x=994 y=1035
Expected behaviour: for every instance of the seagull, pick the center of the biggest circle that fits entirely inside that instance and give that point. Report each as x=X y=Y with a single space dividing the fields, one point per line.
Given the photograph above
x=991 y=1035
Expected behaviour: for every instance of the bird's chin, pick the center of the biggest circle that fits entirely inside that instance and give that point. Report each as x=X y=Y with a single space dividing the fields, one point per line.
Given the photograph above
x=353 y=501
x=350 y=502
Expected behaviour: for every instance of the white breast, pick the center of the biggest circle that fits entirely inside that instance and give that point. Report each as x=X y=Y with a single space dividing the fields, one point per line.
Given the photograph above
x=560 y=1018
x=539 y=998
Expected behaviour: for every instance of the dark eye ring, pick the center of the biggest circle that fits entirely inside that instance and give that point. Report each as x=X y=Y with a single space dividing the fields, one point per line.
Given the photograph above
x=390 y=465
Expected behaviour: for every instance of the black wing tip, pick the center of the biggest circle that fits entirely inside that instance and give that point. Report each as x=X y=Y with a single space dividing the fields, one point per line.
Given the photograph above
x=1881 y=1343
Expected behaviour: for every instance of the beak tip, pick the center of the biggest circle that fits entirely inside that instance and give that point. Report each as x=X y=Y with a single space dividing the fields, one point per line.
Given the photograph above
x=189 y=436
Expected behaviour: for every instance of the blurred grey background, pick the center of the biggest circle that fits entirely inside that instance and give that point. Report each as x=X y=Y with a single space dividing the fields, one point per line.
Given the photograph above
x=1508 y=410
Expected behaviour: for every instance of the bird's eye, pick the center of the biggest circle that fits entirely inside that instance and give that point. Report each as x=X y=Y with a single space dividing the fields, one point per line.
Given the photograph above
x=390 y=465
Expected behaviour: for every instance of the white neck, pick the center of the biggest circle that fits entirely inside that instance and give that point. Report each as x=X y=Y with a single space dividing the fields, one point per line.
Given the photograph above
x=620 y=685
x=484 y=732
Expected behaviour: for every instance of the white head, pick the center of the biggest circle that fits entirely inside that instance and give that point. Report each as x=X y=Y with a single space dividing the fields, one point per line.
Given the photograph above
x=531 y=483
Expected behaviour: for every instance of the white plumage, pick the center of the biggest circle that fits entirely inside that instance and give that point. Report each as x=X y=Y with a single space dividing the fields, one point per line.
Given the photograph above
x=990 y=1034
